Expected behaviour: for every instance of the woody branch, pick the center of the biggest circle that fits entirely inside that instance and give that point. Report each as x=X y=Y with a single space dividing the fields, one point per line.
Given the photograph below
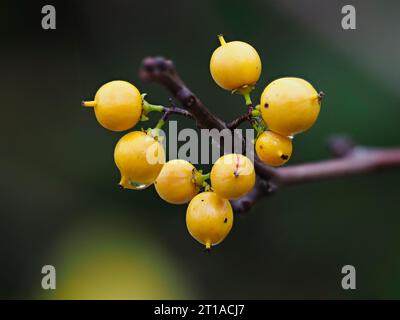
x=349 y=159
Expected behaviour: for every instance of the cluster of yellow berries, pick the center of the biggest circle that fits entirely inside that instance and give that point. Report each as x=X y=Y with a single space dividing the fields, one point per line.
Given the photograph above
x=287 y=106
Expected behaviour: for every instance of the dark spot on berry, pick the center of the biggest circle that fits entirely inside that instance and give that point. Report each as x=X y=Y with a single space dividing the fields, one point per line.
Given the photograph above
x=266 y=106
x=225 y=220
x=261 y=147
x=321 y=94
x=284 y=157
x=202 y=200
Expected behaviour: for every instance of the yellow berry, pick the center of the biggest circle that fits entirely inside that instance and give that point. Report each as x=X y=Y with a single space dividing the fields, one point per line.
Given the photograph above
x=117 y=105
x=139 y=158
x=273 y=148
x=289 y=106
x=209 y=218
x=176 y=182
x=235 y=64
x=232 y=176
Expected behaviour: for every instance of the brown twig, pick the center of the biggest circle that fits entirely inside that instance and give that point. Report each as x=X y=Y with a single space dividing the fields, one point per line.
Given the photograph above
x=360 y=160
x=261 y=189
x=238 y=121
x=349 y=159
x=163 y=71
x=173 y=109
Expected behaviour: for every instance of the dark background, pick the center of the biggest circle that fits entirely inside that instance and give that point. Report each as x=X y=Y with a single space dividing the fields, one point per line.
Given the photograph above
x=59 y=203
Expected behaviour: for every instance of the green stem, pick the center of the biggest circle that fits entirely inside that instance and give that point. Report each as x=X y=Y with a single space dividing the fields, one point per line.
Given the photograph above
x=200 y=179
x=148 y=107
x=255 y=126
x=245 y=92
x=159 y=124
x=247 y=98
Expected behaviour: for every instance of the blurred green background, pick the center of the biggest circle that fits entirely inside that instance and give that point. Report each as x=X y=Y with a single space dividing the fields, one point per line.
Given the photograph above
x=60 y=204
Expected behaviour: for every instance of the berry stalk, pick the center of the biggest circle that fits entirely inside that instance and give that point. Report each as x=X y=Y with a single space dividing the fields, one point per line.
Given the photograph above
x=89 y=104
x=200 y=179
x=221 y=39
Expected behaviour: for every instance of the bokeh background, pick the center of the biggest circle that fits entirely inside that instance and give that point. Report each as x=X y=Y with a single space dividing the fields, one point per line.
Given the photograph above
x=59 y=201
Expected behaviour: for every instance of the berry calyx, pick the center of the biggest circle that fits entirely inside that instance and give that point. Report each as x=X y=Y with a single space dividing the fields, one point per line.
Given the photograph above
x=176 y=182
x=273 y=148
x=232 y=176
x=117 y=105
x=245 y=92
x=290 y=106
x=235 y=64
x=209 y=218
x=139 y=157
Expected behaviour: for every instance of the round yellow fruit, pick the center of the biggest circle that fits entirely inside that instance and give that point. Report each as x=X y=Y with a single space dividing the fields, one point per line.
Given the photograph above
x=289 y=106
x=117 y=105
x=209 y=218
x=176 y=182
x=139 y=158
x=273 y=148
x=232 y=176
x=235 y=64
